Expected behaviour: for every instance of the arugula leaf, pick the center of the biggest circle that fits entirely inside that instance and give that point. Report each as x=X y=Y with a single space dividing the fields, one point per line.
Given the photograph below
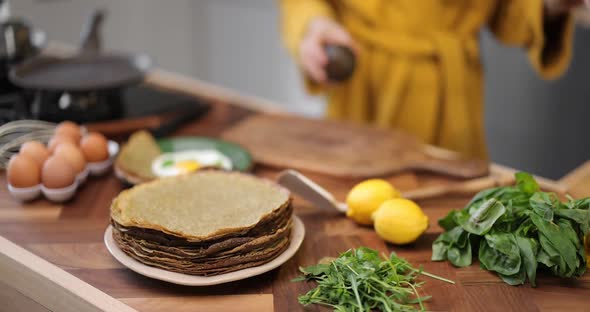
x=360 y=280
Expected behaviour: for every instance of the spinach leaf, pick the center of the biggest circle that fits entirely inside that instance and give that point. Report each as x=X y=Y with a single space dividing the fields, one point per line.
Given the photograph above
x=448 y=222
x=543 y=203
x=499 y=252
x=482 y=217
x=554 y=235
x=526 y=228
x=526 y=183
x=486 y=194
x=544 y=258
x=453 y=246
x=528 y=253
x=555 y=260
x=515 y=279
x=579 y=216
x=567 y=228
x=583 y=203
x=460 y=256
x=315 y=270
x=514 y=230
x=439 y=251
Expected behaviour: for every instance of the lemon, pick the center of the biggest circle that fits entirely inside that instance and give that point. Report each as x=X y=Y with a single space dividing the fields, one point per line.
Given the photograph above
x=400 y=221
x=365 y=197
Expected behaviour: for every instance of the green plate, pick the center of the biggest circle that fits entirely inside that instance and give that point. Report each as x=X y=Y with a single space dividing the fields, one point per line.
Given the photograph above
x=240 y=158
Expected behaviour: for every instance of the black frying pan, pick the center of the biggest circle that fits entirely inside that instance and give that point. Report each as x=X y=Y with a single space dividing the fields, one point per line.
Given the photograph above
x=88 y=70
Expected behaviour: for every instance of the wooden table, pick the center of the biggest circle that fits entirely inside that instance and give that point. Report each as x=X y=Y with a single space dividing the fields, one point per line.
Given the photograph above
x=71 y=237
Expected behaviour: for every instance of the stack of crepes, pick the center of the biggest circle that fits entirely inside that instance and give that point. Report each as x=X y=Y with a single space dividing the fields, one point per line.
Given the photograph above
x=206 y=223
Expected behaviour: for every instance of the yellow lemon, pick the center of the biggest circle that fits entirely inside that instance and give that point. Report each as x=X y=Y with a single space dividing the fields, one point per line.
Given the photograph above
x=365 y=198
x=400 y=221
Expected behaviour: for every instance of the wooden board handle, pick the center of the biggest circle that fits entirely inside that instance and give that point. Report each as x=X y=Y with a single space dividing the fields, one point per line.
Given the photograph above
x=449 y=163
x=464 y=188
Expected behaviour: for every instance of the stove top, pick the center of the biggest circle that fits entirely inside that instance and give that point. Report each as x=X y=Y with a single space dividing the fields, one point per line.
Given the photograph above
x=84 y=107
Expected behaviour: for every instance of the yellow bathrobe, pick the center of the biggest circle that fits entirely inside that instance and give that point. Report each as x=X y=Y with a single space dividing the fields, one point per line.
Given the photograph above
x=419 y=66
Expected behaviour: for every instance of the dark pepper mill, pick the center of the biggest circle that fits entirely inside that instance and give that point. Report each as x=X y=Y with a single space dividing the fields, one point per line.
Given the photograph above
x=341 y=63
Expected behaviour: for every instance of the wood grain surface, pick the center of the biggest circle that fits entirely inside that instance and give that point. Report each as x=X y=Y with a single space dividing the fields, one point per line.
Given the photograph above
x=70 y=236
x=343 y=149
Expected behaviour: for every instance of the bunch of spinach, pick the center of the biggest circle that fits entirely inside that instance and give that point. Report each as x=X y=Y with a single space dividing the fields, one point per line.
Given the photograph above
x=360 y=280
x=516 y=230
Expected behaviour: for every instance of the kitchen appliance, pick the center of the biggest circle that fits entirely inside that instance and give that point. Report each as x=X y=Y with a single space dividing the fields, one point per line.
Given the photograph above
x=89 y=70
x=108 y=105
x=92 y=86
x=18 y=42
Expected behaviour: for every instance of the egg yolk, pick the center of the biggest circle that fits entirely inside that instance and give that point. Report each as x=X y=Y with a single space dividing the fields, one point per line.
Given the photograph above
x=187 y=166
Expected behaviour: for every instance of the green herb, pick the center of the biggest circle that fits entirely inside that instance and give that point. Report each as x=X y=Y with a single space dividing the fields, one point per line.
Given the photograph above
x=516 y=230
x=360 y=280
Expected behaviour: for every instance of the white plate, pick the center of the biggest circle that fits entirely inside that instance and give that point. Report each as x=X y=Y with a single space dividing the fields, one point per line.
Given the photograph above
x=297 y=234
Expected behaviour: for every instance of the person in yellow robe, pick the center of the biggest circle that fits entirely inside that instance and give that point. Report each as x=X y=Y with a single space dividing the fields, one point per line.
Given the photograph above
x=418 y=64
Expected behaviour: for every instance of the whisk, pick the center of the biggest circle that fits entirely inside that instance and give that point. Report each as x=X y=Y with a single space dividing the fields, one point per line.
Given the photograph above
x=15 y=133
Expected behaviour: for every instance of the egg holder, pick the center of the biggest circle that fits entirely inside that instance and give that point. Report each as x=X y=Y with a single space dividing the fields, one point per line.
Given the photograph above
x=63 y=194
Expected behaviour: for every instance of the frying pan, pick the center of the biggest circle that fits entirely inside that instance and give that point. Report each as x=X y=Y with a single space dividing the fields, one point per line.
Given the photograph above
x=89 y=70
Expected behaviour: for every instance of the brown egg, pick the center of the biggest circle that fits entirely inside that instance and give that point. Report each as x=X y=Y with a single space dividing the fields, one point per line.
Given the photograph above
x=72 y=155
x=35 y=150
x=95 y=147
x=57 y=140
x=57 y=172
x=23 y=171
x=69 y=129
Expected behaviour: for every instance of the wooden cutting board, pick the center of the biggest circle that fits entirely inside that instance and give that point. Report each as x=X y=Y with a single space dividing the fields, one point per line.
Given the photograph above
x=343 y=149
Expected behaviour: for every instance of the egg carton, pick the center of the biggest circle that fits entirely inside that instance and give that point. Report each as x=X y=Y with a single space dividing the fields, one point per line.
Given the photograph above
x=66 y=193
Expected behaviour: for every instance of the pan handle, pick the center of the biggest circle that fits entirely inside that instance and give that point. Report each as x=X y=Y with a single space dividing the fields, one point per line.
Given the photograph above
x=91 y=32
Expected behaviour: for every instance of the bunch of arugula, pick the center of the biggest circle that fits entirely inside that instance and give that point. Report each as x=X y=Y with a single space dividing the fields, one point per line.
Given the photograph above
x=516 y=230
x=360 y=280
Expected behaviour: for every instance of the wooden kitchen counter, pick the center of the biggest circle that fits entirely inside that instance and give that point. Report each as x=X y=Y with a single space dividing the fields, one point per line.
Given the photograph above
x=71 y=237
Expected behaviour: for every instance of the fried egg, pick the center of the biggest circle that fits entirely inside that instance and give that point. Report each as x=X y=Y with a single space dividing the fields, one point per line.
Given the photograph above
x=171 y=164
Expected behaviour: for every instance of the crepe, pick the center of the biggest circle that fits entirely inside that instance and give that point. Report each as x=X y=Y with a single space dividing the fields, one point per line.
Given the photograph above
x=199 y=206
x=136 y=156
x=204 y=256
x=269 y=224
x=251 y=259
x=205 y=223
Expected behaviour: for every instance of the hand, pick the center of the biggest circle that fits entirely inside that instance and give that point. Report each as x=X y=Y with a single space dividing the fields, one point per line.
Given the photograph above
x=312 y=56
x=555 y=8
